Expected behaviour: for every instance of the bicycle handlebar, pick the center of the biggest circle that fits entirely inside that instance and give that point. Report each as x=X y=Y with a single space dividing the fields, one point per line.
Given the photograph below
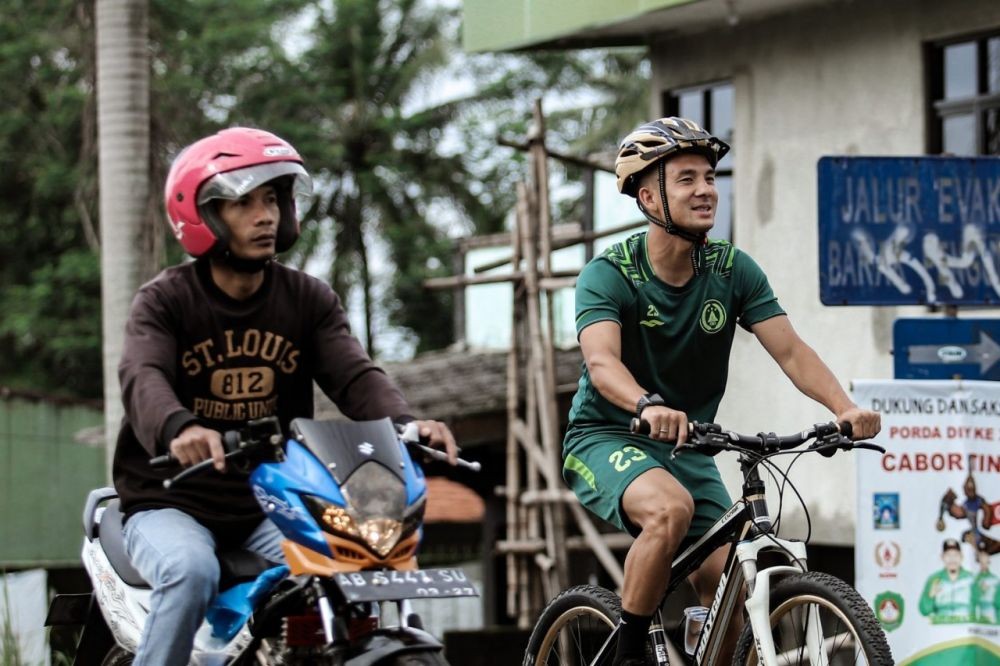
x=710 y=439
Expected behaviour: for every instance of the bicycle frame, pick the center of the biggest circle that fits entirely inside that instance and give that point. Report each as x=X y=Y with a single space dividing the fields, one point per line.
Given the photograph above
x=746 y=523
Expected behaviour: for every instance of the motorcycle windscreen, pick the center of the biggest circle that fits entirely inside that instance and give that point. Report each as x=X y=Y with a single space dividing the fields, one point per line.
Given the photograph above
x=343 y=446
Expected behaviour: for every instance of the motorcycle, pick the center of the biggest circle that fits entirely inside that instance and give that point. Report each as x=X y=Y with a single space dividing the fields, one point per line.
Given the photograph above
x=349 y=500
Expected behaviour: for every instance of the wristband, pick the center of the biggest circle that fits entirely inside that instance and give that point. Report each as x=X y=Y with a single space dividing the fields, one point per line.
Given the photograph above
x=646 y=401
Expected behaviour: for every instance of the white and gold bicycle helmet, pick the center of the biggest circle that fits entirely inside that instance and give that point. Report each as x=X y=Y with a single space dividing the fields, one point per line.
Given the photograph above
x=658 y=139
x=651 y=144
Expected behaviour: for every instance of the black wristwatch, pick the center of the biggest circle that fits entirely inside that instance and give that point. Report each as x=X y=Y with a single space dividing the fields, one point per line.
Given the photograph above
x=647 y=400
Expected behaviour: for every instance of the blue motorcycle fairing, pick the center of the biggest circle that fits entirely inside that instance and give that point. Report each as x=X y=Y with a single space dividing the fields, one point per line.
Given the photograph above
x=278 y=488
x=231 y=609
x=323 y=455
x=343 y=446
x=413 y=475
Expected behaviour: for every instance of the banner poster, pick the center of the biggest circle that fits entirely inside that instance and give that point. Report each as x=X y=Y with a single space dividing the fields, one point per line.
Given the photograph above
x=927 y=548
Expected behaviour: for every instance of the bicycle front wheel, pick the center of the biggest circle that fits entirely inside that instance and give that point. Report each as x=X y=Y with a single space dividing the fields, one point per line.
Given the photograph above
x=819 y=619
x=574 y=627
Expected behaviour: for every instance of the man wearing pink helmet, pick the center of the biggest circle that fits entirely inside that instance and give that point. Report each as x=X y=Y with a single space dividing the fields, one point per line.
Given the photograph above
x=209 y=344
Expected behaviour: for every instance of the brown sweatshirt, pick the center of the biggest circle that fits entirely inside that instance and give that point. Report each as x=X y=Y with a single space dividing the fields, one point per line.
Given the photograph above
x=192 y=354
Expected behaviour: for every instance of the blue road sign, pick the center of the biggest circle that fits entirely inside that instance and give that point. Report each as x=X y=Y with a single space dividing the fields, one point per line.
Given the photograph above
x=946 y=348
x=909 y=230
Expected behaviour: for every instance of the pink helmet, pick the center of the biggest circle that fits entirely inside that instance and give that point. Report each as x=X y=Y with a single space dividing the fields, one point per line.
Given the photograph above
x=228 y=165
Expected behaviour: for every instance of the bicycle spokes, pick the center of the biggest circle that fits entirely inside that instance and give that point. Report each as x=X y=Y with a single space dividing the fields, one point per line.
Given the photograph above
x=577 y=638
x=810 y=631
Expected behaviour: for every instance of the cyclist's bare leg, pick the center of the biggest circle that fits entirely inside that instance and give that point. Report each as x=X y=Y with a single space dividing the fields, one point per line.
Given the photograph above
x=705 y=582
x=663 y=509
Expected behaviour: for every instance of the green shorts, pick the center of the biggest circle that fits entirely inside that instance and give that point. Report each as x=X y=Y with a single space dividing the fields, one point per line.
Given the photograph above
x=599 y=462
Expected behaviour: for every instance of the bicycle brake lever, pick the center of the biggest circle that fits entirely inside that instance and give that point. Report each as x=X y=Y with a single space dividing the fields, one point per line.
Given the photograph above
x=679 y=449
x=869 y=446
x=708 y=443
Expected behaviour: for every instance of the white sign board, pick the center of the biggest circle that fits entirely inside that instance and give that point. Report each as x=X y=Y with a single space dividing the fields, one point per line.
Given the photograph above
x=927 y=551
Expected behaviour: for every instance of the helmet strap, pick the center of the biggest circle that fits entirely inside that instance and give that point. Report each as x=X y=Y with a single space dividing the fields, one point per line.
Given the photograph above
x=668 y=223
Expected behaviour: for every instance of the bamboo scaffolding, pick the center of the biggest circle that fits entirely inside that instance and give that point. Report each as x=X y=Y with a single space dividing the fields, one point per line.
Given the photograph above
x=537 y=540
x=566 y=239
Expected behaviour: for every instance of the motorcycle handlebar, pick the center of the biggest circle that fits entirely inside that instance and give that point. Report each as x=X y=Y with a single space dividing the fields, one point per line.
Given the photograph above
x=410 y=435
x=235 y=448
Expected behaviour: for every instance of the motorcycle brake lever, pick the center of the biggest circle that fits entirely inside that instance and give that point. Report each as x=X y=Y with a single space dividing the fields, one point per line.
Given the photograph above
x=443 y=457
x=198 y=468
x=193 y=470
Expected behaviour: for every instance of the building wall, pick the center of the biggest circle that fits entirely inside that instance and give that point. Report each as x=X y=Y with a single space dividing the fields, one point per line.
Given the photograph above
x=842 y=78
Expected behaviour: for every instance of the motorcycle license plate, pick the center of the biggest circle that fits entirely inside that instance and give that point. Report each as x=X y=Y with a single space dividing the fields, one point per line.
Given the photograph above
x=396 y=585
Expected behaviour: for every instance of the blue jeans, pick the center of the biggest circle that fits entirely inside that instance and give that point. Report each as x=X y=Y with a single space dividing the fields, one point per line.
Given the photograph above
x=176 y=556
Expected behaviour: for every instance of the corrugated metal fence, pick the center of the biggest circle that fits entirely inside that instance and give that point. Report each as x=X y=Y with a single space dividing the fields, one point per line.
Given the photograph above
x=46 y=470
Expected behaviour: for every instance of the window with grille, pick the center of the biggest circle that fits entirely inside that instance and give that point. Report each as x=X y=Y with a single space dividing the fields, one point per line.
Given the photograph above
x=711 y=106
x=964 y=86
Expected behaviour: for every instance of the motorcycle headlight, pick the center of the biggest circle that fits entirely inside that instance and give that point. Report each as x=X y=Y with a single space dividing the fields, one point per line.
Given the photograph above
x=376 y=500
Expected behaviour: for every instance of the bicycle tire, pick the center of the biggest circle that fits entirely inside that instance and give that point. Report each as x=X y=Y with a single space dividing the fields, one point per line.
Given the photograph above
x=852 y=634
x=581 y=618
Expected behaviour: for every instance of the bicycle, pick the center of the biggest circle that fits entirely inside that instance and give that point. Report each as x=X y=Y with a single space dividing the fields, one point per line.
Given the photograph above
x=795 y=616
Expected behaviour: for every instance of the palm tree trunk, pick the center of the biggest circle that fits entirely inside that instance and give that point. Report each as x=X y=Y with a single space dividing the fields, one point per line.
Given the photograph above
x=123 y=149
x=366 y=286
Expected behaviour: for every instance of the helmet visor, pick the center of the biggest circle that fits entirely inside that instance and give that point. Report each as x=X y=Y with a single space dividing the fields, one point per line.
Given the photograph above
x=234 y=184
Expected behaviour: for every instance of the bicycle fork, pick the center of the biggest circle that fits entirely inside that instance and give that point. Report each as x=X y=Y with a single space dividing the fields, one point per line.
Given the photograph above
x=758 y=602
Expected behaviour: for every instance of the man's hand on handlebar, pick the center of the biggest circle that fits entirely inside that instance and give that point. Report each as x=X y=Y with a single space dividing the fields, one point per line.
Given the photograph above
x=665 y=424
x=865 y=423
x=439 y=436
x=196 y=443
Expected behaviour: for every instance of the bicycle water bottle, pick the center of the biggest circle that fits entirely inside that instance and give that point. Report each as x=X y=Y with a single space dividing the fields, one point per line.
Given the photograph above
x=694 y=621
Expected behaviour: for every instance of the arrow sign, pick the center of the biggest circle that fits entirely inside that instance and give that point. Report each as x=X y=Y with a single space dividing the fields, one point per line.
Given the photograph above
x=947 y=348
x=986 y=353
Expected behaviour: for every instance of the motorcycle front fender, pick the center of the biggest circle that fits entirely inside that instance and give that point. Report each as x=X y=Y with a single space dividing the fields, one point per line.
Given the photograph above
x=387 y=642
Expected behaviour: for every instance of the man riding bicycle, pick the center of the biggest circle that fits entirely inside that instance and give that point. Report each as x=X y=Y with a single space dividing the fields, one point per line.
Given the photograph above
x=656 y=316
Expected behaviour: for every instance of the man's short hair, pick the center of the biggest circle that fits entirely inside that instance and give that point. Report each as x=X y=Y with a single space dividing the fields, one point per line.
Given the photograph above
x=950 y=544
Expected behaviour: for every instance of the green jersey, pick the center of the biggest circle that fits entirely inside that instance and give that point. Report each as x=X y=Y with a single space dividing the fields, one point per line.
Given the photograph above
x=674 y=340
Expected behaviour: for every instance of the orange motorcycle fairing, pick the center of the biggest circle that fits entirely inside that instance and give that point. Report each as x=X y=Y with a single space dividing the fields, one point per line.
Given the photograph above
x=348 y=556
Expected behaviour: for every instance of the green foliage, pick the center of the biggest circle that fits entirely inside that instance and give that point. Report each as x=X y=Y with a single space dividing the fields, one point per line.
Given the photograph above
x=201 y=53
x=397 y=126
x=49 y=291
x=374 y=150
x=51 y=320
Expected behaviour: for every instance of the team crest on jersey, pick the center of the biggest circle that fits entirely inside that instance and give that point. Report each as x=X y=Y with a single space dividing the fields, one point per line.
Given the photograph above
x=713 y=316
